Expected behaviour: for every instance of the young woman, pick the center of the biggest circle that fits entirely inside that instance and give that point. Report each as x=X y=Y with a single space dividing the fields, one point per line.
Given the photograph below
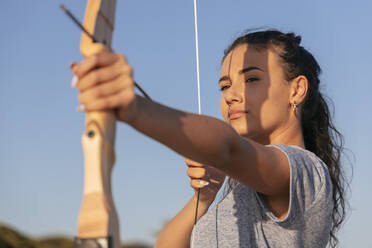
x=278 y=145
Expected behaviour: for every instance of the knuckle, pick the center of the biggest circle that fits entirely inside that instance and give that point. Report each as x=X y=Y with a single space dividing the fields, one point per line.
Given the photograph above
x=122 y=57
x=190 y=162
x=201 y=173
x=196 y=172
x=93 y=93
x=128 y=94
x=95 y=58
x=102 y=91
x=191 y=183
x=98 y=93
x=105 y=103
x=80 y=87
x=95 y=77
x=125 y=67
x=129 y=70
x=122 y=95
x=189 y=172
x=81 y=99
x=111 y=102
x=194 y=184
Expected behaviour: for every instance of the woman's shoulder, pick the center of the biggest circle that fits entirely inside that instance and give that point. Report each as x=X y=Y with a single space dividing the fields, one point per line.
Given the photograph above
x=310 y=178
x=301 y=157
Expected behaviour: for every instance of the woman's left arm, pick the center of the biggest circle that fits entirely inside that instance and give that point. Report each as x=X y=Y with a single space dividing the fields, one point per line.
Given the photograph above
x=214 y=142
x=105 y=82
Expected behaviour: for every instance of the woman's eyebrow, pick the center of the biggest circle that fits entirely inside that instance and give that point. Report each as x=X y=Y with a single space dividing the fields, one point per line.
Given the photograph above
x=249 y=68
x=244 y=70
x=224 y=78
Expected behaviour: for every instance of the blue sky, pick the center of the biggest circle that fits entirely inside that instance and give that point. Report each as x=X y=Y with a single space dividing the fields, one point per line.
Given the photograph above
x=41 y=162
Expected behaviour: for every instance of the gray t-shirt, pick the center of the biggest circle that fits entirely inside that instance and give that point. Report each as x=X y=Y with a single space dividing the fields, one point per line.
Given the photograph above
x=242 y=219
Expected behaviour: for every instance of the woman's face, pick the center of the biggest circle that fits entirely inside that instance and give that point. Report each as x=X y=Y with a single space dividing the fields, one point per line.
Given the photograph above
x=255 y=93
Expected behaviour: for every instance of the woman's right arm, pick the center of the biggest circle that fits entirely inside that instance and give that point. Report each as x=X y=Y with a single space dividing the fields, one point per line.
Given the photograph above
x=177 y=232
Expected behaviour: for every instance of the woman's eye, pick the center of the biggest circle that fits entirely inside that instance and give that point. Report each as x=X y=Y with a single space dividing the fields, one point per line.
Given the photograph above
x=251 y=79
x=224 y=87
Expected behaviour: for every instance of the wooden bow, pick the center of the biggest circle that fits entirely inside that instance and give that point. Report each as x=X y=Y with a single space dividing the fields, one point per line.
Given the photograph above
x=98 y=223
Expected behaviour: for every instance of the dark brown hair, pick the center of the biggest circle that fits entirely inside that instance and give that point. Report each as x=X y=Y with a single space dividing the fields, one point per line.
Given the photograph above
x=320 y=135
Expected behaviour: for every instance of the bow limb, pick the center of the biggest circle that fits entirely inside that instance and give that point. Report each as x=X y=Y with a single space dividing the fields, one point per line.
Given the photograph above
x=98 y=219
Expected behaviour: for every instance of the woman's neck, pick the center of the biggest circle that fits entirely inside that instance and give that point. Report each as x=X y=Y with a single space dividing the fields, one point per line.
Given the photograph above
x=290 y=134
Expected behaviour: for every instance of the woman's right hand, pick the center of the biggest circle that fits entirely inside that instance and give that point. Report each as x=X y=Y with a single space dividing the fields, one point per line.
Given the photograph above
x=206 y=178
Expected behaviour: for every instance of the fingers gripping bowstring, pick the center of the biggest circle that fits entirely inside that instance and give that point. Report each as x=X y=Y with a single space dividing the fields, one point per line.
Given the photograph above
x=198 y=82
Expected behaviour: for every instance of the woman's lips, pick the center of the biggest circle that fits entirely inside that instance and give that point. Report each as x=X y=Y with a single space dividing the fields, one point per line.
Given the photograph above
x=235 y=114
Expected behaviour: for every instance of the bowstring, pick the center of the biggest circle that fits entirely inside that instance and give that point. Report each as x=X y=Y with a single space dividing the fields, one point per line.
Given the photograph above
x=197 y=55
x=198 y=82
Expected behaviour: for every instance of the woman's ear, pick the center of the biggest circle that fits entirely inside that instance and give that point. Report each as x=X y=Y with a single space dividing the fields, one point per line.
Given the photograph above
x=298 y=91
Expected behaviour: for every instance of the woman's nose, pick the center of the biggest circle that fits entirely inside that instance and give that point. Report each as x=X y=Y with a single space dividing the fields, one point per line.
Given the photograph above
x=233 y=94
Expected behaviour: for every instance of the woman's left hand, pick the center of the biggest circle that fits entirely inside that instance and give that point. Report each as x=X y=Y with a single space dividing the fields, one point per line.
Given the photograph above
x=105 y=82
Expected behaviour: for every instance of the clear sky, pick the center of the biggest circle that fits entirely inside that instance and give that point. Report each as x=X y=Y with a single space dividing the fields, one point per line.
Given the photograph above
x=41 y=161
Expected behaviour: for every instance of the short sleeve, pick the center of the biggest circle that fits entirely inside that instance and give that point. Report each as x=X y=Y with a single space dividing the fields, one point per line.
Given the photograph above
x=310 y=184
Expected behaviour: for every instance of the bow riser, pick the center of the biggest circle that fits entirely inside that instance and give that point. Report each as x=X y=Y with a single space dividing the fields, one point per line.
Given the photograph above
x=98 y=220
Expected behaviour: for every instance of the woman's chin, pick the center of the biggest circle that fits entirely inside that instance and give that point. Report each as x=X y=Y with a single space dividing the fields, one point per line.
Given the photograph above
x=242 y=131
x=249 y=134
